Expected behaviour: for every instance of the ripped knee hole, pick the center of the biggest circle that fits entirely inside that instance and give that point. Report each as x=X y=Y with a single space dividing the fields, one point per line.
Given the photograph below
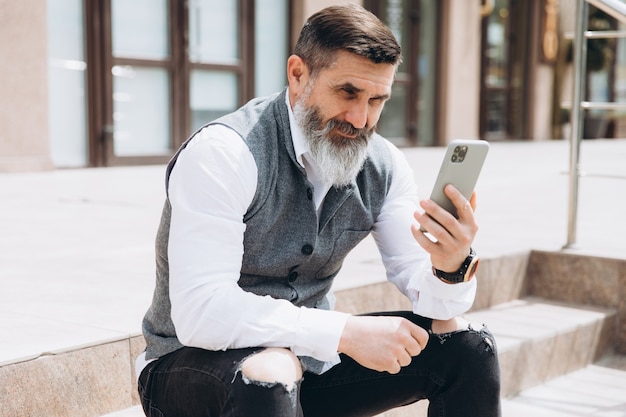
x=272 y=366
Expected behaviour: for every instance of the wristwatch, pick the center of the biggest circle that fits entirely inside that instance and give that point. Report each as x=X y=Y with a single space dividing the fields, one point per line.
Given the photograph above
x=466 y=272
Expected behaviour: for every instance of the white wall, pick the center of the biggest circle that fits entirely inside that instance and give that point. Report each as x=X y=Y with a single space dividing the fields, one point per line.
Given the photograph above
x=23 y=86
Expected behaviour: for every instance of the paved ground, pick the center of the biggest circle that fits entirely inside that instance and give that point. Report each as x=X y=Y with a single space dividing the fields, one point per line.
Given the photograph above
x=76 y=246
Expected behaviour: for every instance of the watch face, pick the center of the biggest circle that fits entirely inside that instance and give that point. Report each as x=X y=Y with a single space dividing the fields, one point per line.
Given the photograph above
x=471 y=272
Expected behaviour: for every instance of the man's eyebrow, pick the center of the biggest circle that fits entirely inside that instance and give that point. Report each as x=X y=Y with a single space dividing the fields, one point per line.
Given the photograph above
x=357 y=90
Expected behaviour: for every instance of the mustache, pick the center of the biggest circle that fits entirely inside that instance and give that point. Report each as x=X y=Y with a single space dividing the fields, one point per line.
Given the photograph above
x=347 y=129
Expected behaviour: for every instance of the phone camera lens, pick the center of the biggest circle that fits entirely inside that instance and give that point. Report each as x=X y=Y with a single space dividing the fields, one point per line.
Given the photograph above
x=454 y=158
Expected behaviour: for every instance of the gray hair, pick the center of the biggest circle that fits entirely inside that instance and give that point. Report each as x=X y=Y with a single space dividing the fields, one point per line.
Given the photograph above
x=349 y=28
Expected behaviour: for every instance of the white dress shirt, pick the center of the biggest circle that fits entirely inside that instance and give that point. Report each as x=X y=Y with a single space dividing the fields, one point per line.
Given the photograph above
x=210 y=188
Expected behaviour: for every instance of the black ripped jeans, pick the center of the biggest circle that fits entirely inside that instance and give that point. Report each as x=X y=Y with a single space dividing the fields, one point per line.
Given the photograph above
x=457 y=372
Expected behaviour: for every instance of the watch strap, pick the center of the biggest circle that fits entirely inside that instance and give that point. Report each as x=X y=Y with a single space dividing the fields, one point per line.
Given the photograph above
x=465 y=273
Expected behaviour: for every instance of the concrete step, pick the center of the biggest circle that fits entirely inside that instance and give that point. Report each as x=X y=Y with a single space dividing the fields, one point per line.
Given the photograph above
x=87 y=381
x=134 y=411
x=598 y=390
x=537 y=341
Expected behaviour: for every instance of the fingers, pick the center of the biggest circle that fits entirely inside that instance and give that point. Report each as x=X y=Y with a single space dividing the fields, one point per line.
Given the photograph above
x=407 y=341
x=421 y=336
x=465 y=211
x=440 y=223
x=463 y=207
x=473 y=201
x=449 y=238
x=394 y=369
x=382 y=343
x=405 y=359
x=414 y=343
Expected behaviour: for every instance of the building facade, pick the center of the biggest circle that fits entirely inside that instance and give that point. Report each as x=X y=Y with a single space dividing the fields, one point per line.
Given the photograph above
x=86 y=83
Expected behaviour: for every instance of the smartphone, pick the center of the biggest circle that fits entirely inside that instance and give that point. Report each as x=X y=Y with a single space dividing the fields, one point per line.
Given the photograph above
x=460 y=167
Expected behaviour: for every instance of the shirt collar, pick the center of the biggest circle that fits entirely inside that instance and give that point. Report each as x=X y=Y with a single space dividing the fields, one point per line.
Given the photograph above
x=300 y=146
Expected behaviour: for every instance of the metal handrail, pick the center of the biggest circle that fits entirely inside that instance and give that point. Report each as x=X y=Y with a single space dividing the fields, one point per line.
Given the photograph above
x=596 y=105
x=617 y=9
x=580 y=59
x=605 y=34
x=596 y=34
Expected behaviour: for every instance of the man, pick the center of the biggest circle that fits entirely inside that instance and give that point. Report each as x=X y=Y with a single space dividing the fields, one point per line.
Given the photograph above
x=262 y=207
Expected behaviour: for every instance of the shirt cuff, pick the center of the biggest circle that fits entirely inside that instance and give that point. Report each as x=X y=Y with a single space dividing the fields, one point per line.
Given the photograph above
x=436 y=299
x=319 y=333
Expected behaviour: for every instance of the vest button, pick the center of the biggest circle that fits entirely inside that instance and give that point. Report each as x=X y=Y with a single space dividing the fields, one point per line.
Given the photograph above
x=292 y=276
x=309 y=194
x=307 y=249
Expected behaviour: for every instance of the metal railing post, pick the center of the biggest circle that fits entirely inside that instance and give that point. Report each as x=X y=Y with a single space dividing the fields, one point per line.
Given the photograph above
x=576 y=118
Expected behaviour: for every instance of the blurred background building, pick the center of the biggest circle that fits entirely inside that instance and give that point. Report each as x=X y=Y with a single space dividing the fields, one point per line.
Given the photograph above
x=88 y=83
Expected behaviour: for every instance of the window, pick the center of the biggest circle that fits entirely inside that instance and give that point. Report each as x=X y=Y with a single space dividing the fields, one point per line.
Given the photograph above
x=506 y=58
x=215 y=53
x=67 y=83
x=160 y=69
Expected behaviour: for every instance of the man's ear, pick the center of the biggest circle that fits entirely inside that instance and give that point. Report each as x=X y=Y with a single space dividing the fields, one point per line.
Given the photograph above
x=297 y=75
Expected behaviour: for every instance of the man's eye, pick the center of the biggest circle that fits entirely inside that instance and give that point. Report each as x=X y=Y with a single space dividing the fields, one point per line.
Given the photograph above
x=349 y=93
x=377 y=101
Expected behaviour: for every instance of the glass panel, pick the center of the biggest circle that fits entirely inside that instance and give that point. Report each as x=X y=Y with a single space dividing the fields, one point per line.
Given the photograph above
x=497 y=46
x=140 y=29
x=66 y=72
x=620 y=67
x=141 y=111
x=213 y=94
x=393 y=120
x=396 y=12
x=427 y=73
x=620 y=84
x=496 y=111
x=214 y=31
x=270 y=46
x=497 y=70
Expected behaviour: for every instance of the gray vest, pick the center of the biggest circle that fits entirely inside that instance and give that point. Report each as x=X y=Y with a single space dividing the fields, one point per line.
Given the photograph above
x=288 y=252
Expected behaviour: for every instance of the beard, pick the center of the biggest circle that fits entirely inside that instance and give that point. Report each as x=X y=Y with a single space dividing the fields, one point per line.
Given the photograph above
x=338 y=158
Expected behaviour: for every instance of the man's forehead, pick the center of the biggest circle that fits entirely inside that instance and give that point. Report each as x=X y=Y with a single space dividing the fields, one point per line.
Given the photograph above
x=362 y=82
x=360 y=73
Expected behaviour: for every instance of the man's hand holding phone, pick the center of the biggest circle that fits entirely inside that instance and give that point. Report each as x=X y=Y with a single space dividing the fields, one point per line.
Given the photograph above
x=447 y=225
x=450 y=238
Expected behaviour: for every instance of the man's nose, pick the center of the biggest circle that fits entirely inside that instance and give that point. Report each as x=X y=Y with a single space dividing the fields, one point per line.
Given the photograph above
x=357 y=115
